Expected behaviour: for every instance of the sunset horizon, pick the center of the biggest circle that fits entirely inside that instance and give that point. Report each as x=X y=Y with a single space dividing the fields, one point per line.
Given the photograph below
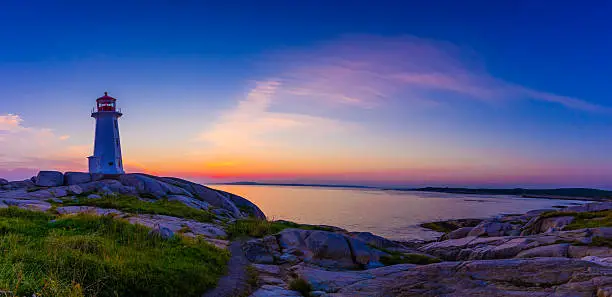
x=351 y=102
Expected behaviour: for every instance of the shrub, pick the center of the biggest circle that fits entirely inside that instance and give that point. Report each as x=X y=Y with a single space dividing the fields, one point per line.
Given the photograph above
x=300 y=285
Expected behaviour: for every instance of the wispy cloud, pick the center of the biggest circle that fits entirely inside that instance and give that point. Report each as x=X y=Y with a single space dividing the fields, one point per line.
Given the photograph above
x=366 y=71
x=30 y=148
x=252 y=125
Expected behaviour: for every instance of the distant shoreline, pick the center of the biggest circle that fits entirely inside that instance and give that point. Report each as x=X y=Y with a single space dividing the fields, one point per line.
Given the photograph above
x=557 y=194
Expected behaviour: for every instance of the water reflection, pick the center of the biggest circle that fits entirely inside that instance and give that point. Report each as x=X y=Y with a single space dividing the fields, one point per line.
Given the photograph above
x=392 y=214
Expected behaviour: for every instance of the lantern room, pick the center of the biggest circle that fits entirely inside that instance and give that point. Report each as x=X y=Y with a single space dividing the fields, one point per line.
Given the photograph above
x=106 y=103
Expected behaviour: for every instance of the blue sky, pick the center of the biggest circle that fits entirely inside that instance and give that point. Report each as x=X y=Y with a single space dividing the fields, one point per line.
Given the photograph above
x=386 y=92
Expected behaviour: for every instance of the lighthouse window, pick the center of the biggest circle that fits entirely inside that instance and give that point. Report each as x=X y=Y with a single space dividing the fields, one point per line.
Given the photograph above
x=110 y=163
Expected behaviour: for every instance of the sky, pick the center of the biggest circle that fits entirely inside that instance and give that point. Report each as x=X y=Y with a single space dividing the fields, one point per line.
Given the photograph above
x=390 y=93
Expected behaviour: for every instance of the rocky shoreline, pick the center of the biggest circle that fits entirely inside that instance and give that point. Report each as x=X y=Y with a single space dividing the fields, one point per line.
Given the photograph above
x=564 y=252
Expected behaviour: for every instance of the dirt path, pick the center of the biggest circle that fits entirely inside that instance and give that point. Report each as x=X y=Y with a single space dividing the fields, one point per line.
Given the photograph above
x=235 y=282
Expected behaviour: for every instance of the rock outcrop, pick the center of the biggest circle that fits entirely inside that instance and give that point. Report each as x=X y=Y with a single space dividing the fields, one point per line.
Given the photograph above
x=53 y=184
x=50 y=179
x=320 y=248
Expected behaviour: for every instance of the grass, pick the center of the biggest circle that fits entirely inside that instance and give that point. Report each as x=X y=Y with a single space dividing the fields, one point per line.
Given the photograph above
x=439 y=227
x=84 y=255
x=252 y=276
x=134 y=205
x=394 y=258
x=300 y=285
x=584 y=219
x=260 y=228
x=601 y=241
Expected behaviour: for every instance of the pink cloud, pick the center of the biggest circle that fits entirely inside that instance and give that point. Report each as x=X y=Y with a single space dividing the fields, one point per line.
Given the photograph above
x=365 y=71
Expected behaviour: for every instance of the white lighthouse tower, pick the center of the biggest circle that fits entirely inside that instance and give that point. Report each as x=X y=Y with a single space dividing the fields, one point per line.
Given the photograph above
x=107 y=148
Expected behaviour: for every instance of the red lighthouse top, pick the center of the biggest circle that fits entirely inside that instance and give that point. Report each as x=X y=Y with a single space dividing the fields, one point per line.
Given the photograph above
x=106 y=103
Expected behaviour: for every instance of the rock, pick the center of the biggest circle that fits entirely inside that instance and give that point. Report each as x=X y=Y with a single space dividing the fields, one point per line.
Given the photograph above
x=376 y=241
x=589 y=207
x=514 y=277
x=189 y=201
x=257 y=252
x=363 y=255
x=334 y=281
x=145 y=184
x=36 y=205
x=3 y=182
x=161 y=232
x=66 y=210
x=539 y=225
x=601 y=261
x=508 y=249
x=267 y=269
x=59 y=192
x=94 y=196
x=581 y=251
x=21 y=184
x=50 y=179
x=76 y=178
x=177 y=225
x=329 y=250
x=490 y=228
x=211 y=196
x=274 y=291
x=2 y=204
x=75 y=190
x=459 y=233
x=554 y=250
x=41 y=194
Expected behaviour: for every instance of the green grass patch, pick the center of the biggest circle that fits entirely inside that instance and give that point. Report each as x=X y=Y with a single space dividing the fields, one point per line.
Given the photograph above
x=601 y=241
x=134 y=205
x=439 y=227
x=300 y=285
x=399 y=258
x=86 y=255
x=259 y=228
x=583 y=219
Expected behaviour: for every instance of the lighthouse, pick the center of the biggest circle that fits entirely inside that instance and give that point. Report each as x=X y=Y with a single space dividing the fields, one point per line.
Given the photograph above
x=106 y=158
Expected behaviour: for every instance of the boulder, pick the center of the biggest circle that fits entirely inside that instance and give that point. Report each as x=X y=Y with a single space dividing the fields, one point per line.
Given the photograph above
x=554 y=250
x=329 y=249
x=256 y=251
x=3 y=182
x=363 y=255
x=459 y=233
x=75 y=190
x=145 y=184
x=94 y=196
x=376 y=241
x=36 y=205
x=490 y=228
x=211 y=196
x=59 y=192
x=161 y=232
x=76 y=178
x=41 y=194
x=50 y=179
x=189 y=201
x=539 y=225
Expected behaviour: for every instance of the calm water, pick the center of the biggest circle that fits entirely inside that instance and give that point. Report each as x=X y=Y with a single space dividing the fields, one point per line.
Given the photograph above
x=392 y=214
